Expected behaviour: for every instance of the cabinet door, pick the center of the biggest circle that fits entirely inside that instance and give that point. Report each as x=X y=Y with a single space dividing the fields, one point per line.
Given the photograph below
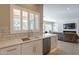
x=27 y=48
x=53 y=41
x=38 y=47
x=14 y=50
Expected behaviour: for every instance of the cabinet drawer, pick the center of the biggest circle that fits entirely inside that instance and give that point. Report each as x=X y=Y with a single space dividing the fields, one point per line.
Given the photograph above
x=13 y=50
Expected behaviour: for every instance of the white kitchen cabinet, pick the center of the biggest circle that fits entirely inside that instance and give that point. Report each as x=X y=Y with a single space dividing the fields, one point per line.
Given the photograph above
x=32 y=48
x=38 y=47
x=27 y=48
x=13 y=50
x=54 y=41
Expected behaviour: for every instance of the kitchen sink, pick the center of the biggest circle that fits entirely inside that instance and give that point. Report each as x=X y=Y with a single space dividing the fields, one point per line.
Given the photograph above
x=25 y=39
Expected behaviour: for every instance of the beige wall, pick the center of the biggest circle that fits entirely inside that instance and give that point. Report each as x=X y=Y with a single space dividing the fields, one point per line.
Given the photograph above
x=4 y=16
x=34 y=7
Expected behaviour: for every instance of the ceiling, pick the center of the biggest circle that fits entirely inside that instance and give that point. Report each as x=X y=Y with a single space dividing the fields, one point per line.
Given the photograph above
x=61 y=11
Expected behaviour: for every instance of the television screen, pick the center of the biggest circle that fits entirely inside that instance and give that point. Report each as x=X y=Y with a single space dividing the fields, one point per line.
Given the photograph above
x=69 y=26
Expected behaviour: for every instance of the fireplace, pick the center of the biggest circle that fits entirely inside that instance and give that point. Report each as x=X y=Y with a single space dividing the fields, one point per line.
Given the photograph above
x=69 y=32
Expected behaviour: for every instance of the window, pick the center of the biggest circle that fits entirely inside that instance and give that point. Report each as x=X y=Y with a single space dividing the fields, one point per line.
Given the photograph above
x=47 y=27
x=16 y=19
x=32 y=22
x=55 y=27
x=37 y=21
x=24 y=20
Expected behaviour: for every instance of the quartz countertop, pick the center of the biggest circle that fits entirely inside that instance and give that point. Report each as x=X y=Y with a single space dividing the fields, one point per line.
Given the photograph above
x=48 y=35
x=10 y=42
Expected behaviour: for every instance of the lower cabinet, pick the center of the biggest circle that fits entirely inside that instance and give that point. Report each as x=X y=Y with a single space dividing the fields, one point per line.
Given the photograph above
x=38 y=47
x=27 y=48
x=32 y=48
x=54 y=41
x=13 y=50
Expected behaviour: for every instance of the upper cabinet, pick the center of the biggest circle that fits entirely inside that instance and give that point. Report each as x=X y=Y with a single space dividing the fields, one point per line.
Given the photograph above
x=23 y=20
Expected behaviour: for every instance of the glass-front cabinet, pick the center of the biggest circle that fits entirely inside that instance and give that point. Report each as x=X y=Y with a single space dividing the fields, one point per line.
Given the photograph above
x=23 y=20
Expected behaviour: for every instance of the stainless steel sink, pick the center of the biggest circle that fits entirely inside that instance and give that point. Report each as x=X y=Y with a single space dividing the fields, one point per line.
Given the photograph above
x=25 y=39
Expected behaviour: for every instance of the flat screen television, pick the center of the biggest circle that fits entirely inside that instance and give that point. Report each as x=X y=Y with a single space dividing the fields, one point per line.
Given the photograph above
x=69 y=26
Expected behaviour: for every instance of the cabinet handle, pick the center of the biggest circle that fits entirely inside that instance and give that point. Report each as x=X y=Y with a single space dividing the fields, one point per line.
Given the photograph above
x=11 y=49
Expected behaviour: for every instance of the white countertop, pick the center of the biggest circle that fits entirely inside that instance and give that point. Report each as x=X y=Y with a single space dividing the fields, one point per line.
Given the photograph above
x=48 y=35
x=10 y=42
x=7 y=42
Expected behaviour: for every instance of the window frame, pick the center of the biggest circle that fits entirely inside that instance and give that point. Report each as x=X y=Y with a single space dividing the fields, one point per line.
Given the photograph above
x=24 y=31
x=35 y=13
x=46 y=22
x=27 y=10
x=11 y=18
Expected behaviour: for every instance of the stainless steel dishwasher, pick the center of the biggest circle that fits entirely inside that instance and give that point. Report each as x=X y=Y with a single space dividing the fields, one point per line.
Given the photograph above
x=46 y=45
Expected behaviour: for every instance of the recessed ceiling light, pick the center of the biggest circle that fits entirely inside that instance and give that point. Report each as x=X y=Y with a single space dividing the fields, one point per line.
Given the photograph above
x=68 y=8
